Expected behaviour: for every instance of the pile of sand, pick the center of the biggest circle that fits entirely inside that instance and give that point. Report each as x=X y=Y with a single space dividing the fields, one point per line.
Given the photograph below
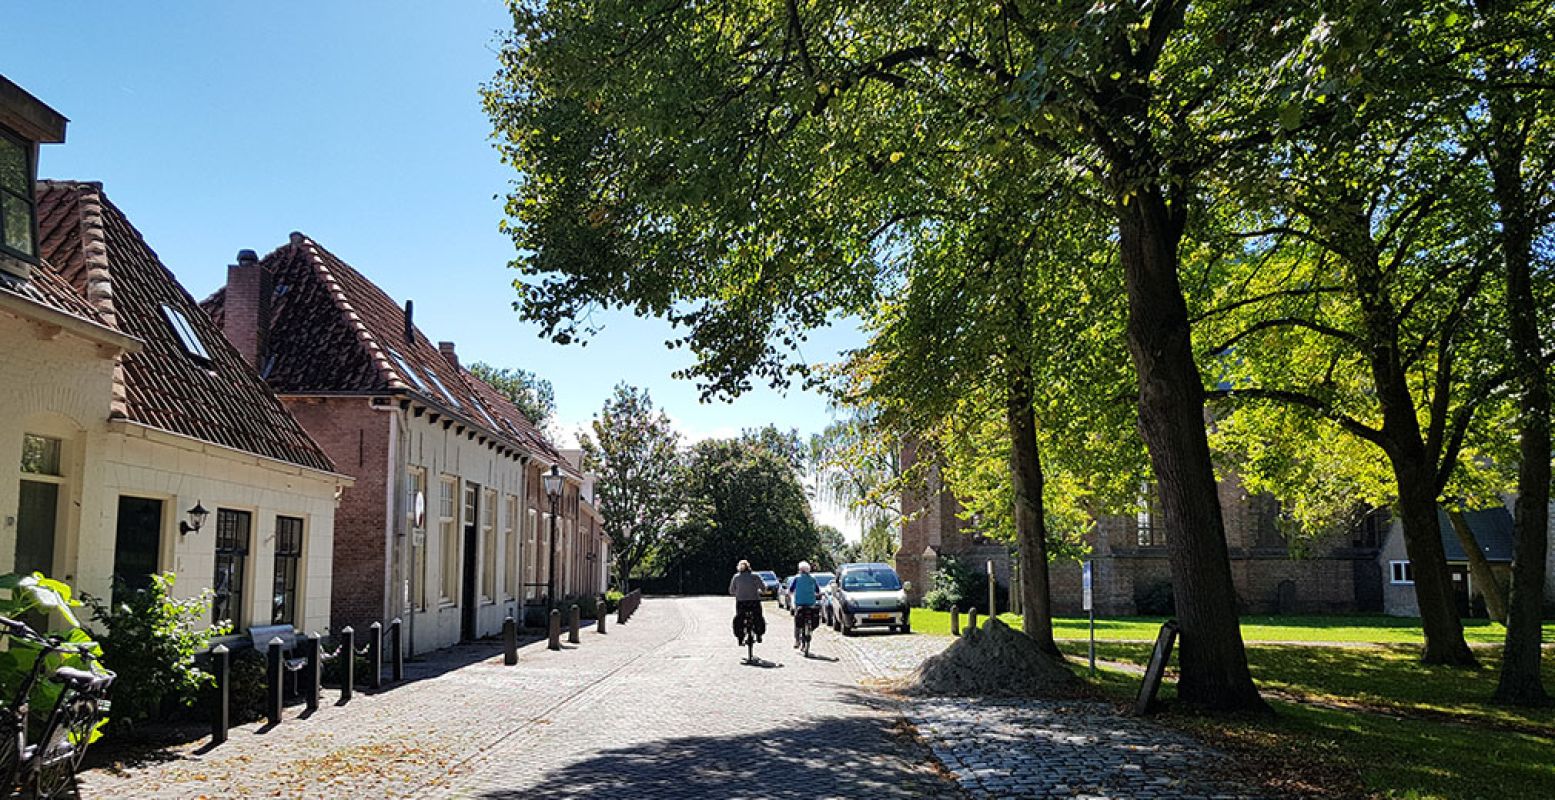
x=994 y=661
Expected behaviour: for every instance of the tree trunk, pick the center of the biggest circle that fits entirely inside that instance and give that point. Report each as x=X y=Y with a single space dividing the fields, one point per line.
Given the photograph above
x=1479 y=567
x=1520 y=682
x=1213 y=661
x=1443 y=628
x=1414 y=466
x=1030 y=522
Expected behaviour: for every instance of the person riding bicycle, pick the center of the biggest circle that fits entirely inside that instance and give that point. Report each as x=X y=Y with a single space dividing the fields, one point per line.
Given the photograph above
x=746 y=586
x=806 y=597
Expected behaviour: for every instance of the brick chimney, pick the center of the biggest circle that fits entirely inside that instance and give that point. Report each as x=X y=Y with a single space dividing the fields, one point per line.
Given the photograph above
x=246 y=309
x=447 y=349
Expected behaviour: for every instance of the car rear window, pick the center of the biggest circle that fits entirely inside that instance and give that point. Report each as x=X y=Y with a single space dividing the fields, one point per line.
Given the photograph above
x=870 y=580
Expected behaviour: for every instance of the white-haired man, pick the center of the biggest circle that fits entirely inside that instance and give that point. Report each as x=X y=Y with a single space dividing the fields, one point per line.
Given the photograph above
x=806 y=597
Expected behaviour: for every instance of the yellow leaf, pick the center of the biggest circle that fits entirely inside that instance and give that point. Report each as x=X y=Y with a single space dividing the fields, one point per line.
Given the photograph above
x=896 y=156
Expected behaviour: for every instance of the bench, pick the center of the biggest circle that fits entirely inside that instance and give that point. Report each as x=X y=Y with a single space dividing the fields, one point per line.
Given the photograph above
x=263 y=634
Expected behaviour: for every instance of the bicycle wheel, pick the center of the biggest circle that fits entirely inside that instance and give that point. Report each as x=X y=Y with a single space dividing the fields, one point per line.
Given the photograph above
x=10 y=750
x=59 y=755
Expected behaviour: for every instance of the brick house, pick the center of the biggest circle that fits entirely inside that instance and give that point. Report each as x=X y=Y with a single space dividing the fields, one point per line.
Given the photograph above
x=448 y=526
x=122 y=407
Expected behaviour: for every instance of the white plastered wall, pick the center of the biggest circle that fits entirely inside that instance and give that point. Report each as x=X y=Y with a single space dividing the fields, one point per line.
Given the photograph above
x=445 y=452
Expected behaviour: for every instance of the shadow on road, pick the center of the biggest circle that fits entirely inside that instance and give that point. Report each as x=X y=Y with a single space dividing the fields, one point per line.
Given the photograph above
x=867 y=757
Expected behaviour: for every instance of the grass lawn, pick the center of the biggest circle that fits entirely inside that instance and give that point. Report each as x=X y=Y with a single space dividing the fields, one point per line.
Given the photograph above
x=1395 y=728
x=1374 y=629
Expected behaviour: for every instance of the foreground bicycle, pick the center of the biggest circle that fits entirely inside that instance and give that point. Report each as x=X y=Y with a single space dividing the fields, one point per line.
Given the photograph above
x=808 y=619
x=748 y=626
x=47 y=769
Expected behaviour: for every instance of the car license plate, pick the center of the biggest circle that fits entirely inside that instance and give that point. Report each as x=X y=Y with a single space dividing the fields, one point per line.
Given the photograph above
x=879 y=617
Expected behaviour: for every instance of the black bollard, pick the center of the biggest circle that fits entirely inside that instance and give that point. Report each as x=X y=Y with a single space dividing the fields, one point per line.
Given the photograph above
x=375 y=654
x=221 y=667
x=348 y=652
x=509 y=642
x=971 y=620
x=313 y=671
x=574 y=620
x=396 y=650
x=599 y=622
x=955 y=621
x=556 y=629
x=274 y=688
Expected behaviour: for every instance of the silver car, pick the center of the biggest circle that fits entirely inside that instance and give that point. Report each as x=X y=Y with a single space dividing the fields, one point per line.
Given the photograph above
x=868 y=595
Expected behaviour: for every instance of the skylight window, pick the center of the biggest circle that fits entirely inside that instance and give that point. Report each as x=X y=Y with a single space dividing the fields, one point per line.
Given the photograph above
x=444 y=390
x=185 y=332
x=406 y=371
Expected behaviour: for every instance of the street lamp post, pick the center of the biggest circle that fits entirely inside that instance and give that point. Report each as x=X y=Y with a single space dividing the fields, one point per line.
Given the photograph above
x=553 y=488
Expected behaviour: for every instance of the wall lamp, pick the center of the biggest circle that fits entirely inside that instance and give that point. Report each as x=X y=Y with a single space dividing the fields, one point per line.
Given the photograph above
x=196 y=520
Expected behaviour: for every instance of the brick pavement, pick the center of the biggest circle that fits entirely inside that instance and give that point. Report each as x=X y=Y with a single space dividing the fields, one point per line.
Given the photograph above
x=660 y=707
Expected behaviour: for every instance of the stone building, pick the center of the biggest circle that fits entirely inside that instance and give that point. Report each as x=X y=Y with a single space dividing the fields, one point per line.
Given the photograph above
x=122 y=408
x=933 y=529
x=1131 y=573
x=448 y=525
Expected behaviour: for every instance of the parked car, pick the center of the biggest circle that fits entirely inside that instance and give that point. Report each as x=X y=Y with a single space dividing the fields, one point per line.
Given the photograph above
x=769 y=582
x=868 y=595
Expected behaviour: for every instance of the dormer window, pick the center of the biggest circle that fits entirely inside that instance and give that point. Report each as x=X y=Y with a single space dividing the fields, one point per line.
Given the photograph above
x=25 y=123
x=18 y=215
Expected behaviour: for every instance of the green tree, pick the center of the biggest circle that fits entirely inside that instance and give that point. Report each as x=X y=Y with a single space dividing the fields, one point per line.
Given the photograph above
x=878 y=543
x=1366 y=299
x=745 y=502
x=635 y=453
x=532 y=394
x=1509 y=57
x=834 y=549
x=732 y=167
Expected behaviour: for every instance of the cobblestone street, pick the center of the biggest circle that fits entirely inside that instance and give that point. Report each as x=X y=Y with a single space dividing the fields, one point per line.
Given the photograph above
x=660 y=707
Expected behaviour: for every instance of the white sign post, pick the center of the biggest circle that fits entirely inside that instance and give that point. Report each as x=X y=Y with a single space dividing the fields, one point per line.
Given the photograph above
x=1085 y=583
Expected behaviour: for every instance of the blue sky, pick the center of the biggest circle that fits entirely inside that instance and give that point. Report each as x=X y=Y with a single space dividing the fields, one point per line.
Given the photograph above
x=224 y=126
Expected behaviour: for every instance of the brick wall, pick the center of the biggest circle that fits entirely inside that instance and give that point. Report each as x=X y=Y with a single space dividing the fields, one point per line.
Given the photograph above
x=356 y=439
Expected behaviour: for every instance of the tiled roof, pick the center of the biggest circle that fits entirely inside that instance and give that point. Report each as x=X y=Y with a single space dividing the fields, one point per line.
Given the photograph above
x=509 y=418
x=47 y=288
x=93 y=248
x=333 y=331
x=1492 y=529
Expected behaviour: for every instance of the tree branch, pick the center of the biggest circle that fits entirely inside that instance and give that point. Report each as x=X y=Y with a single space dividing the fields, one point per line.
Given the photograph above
x=1289 y=322
x=1306 y=401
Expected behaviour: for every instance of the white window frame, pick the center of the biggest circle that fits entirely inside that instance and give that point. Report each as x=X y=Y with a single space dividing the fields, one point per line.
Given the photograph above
x=448 y=503
x=510 y=546
x=1401 y=573
x=488 y=538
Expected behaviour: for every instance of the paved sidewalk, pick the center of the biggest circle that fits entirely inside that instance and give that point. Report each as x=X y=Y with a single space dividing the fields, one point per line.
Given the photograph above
x=660 y=707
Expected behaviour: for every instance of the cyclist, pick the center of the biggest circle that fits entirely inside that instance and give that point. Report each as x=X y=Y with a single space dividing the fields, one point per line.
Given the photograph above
x=806 y=595
x=746 y=586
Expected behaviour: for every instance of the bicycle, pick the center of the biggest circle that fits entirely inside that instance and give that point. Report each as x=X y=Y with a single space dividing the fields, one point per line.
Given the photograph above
x=48 y=768
x=806 y=621
x=748 y=636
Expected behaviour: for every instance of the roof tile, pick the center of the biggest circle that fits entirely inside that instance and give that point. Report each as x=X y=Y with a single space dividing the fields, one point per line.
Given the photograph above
x=218 y=400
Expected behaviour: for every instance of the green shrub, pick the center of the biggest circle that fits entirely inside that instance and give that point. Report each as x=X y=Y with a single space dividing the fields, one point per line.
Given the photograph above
x=613 y=600
x=152 y=639
x=1155 y=600
x=246 y=685
x=956 y=584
